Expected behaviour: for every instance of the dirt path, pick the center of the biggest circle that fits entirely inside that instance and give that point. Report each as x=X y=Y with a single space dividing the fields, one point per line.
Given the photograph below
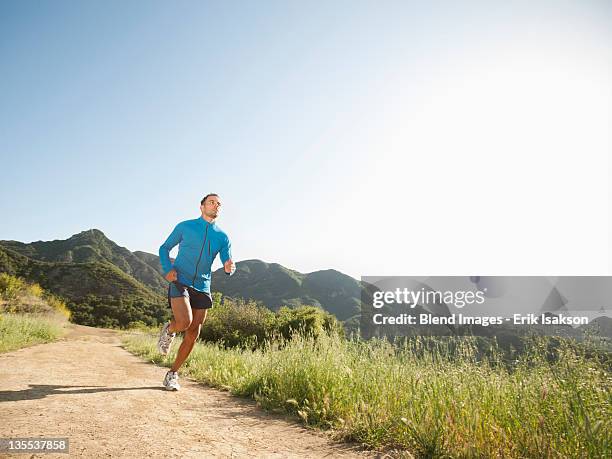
x=111 y=404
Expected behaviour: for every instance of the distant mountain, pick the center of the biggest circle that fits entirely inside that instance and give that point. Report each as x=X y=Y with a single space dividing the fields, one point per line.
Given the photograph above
x=274 y=285
x=93 y=246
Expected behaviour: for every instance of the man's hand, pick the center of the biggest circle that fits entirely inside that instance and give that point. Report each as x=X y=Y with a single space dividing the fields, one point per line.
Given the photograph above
x=229 y=267
x=171 y=276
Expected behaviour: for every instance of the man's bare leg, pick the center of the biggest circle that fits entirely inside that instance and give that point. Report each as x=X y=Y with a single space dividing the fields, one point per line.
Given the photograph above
x=181 y=309
x=191 y=335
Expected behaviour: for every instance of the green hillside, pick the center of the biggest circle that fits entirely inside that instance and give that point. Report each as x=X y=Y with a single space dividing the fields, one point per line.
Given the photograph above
x=89 y=247
x=151 y=260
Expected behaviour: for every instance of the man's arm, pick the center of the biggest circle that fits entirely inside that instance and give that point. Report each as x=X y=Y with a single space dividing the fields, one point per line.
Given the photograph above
x=226 y=257
x=164 y=250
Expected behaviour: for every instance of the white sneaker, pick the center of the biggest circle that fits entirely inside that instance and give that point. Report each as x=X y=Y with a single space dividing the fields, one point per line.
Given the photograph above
x=171 y=381
x=165 y=340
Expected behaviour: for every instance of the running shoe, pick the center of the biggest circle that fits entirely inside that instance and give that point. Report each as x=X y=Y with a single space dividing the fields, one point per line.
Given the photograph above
x=171 y=381
x=165 y=340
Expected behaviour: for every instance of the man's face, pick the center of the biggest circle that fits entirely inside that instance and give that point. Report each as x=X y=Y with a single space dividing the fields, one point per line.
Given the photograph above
x=211 y=207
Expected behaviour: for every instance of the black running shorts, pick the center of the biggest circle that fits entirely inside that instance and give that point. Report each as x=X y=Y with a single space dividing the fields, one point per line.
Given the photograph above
x=197 y=299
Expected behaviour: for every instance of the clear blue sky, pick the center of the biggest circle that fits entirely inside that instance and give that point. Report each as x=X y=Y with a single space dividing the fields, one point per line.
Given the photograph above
x=405 y=138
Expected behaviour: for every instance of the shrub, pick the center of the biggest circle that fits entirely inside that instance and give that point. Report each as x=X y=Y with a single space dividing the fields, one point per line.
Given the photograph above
x=307 y=321
x=34 y=290
x=57 y=304
x=11 y=287
x=238 y=323
x=247 y=324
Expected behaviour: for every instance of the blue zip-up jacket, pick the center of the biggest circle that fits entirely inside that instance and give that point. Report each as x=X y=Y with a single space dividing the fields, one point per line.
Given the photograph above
x=199 y=243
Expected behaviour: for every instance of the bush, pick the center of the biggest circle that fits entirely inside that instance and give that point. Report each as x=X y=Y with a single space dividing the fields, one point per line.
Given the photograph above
x=11 y=287
x=237 y=323
x=306 y=321
x=35 y=290
x=57 y=304
x=247 y=324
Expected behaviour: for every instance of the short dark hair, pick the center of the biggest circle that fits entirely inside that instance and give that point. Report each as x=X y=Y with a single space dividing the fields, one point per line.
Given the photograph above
x=206 y=197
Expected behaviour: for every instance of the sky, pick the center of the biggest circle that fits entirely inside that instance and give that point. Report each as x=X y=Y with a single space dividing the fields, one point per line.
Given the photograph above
x=374 y=138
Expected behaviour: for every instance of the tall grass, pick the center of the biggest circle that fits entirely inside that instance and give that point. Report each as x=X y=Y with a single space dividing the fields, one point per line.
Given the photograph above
x=431 y=397
x=21 y=330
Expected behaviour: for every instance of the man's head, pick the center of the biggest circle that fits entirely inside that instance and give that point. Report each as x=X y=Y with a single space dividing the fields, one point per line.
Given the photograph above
x=210 y=205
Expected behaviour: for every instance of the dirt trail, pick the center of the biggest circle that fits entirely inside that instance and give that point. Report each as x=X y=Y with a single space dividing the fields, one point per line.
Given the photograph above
x=111 y=404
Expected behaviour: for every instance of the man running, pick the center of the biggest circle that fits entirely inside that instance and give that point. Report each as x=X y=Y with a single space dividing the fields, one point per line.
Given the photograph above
x=200 y=241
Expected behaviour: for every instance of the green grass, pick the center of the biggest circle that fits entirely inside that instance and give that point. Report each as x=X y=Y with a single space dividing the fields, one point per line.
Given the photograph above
x=432 y=398
x=21 y=330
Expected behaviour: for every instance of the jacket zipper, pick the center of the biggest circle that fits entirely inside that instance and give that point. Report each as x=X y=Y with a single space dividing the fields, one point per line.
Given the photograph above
x=199 y=258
